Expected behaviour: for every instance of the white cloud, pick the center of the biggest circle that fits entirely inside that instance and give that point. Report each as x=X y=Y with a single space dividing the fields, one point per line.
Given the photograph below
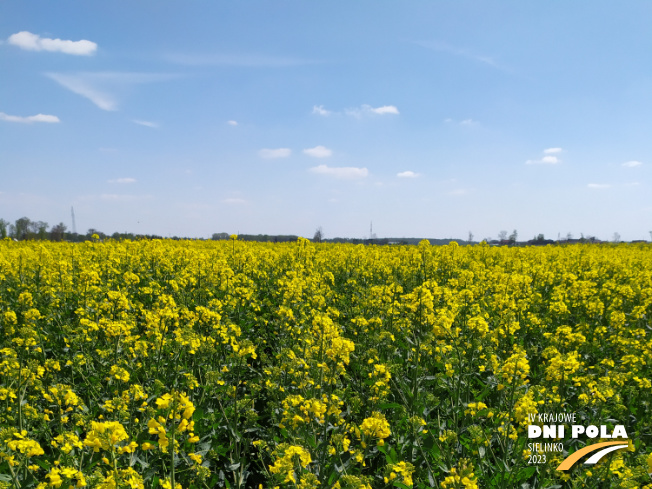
x=318 y=152
x=100 y=87
x=29 y=119
x=407 y=174
x=385 y=109
x=344 y=172
x=234 y=201
x=369 y=110
x=123 y=197
x=83 y=87
x=464 y=53
x=319 y=110
x=146 y=123
x=232 y=123
x=632 y=164
x=275 y=153
x=465 y=122
x=33 y=42
x=550 y=151
x=550 y=160
x=598 y=185
x=123 y=180
x=546 y=160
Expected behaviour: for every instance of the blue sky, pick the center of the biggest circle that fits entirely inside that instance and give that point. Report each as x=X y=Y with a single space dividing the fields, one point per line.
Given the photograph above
x=429 y=118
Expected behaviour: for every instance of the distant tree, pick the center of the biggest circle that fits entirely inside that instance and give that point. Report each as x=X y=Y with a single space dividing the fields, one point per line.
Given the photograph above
x=616 y=238
x=569 y=236
x=218 y=236
x=41 y=230
x=58 y=232
x=4 y=225
x=513 y=237
x=318 y=236
x=502 y=236
x=20 y=228
x=470 y=240
x=540 y=237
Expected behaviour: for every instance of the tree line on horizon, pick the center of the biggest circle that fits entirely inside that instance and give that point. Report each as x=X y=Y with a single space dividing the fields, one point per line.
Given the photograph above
x=26 y=229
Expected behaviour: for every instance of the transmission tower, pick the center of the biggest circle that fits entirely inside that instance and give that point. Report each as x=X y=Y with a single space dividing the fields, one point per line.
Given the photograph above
x=74 y=227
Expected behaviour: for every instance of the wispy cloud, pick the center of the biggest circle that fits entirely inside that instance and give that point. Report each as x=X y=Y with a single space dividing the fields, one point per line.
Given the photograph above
x=599 y=185
x=632 y=164
x=369 y=110
x=461 y=52
x=29 y=119
x=241 y=60
x=358 y=112
x=407 y=174
x=234 y=201
x=100 y=87
x=153 y=125
x=123 y=180
x=548 y=159
x=232 y=123
x=33 y=42
x=123 y=197
x=318 y=152
x=343 y=172
x=319 y=110
x=465 y=122
x=274 y=153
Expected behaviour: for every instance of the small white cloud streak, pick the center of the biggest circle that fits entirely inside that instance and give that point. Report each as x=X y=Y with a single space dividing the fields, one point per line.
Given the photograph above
x=123 y=180
x=319 y=110
x=123 y=197
x=232 y=123
x=96 y=87
x=318 y=152
x=598 y=185
x=385 y=109
x=369 y=110
x=81 y=86
x=274 y=153
x=33 y=42
x=234 y=201
x=153 y=125
x=546 y=160
x=343 y=172
x=407 y=174
x=465 y=53
x=632 y=164
x=465 y=122
x=550 y=151
x=29 y=119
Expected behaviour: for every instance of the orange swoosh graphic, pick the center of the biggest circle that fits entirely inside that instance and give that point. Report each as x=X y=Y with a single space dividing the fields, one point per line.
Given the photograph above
x=575 y=456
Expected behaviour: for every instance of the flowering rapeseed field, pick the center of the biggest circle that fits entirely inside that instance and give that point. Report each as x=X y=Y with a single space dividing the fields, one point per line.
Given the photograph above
x=230 y=364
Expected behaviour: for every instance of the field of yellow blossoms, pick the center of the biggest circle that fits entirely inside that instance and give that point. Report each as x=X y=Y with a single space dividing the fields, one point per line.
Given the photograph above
x=195 y=364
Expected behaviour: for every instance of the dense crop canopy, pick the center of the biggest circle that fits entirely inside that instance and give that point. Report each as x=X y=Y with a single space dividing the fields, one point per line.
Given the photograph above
x=192 y=364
